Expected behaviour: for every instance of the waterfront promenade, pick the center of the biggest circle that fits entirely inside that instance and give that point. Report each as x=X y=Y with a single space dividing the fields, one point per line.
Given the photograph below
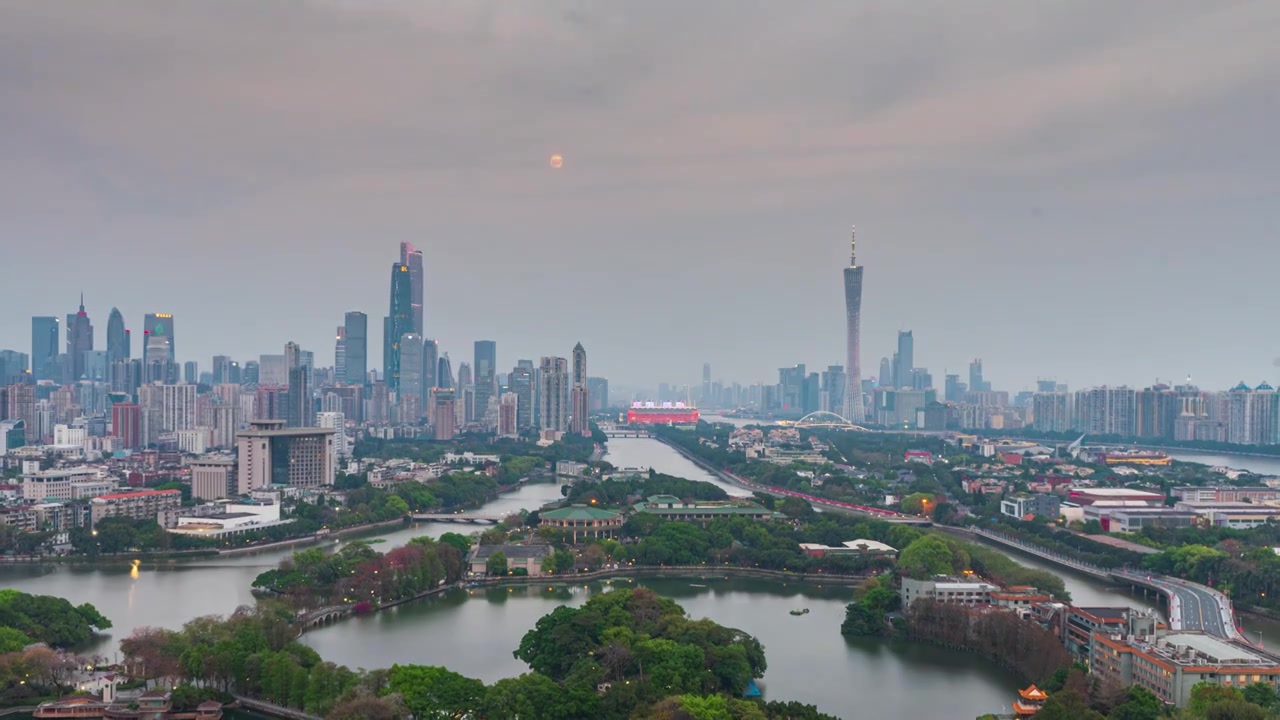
x=1191 y=606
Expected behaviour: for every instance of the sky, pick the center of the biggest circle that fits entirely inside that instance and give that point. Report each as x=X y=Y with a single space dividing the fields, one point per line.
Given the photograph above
x=1080 y=190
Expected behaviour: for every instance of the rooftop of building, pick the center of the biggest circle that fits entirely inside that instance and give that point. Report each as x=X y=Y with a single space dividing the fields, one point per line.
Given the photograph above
x=285 y=432
x=137 y=494
x=1106 y=614
x=513 y=552
x=579 y=512
x=1114 y=492
x=1195 y=648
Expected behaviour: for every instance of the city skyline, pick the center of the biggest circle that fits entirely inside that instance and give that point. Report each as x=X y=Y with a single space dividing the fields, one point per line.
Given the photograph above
x=1014 y=191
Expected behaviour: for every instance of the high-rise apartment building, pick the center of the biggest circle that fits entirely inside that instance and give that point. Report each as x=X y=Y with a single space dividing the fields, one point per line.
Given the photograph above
x=854 y=410
x=508 y=410
x=299 y=404
x=554 y=394
x=79 y=341
x=486 y=383
x=126 y=424
x=1052 y=411
x=178 y=407
x=157 y=339
x=580 y=400
x=412 y=258
x=337 y=422
x=191 y=372
x=222 y=370
x=1106 y=411
x=340 y=355
x=356 y=344
x=444 y=415
x=45 y=336
x=118 y=341
x=273 y=370
x=397 y=323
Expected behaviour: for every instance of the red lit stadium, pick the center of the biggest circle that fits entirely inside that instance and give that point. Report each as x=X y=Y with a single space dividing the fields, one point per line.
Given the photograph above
x=649 y=413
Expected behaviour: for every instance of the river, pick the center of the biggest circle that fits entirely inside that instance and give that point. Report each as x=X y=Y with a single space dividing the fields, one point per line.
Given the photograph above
x=475 y=633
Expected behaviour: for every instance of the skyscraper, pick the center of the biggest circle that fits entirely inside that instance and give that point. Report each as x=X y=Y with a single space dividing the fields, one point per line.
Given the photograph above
x=45 y=337
x=580 y=402
x=158 y=340
x=508 y=415
x=444 y=373
x=79 y=340
x=854 y=411
x=904 y=359
x=522 y=387
x=413 y=258
x=340 y=355
x=430 y=364
x=976 y=383
x=486 y=368
x=598 y=393
x=399 y=322
x=410 y=374
x=356 y=343
x=117 y=338
x=299 y=410
x=705 y=400
x=553 y=395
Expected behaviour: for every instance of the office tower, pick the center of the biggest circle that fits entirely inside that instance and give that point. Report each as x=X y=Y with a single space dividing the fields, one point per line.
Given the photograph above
x=444 y=373
x=430 y=360
x=444 y=416
x=579 y=400
x=413 y=259
x=340 y=356
x=508 y=410
x=398 y=322
x=45 y=336
x=292 y=355
x=920 y=379
x=222 y=370
x=598 y=393
x=79 y=341
x=1046 y=386
x=522 y=387
x=117 y=338
x=337 y=422
x=465 y=395
x=811 y=393
x=251 y=373
x=976 y=383
x=410 y=362
x=904 y=359
x=553 y=394
x=356 y=343
x=96 y=367
x=791 y=387
x=486 y=368
x=885 y=379
x=853 y=330
x=300 y=408
x=954 y=389
x=126 y=376
x=157 y=338
x=833 y=389
x=273 y=370
x=534 y=413
x=13 y=368
x=191 y=372
x=269 y=454
x=211 y=477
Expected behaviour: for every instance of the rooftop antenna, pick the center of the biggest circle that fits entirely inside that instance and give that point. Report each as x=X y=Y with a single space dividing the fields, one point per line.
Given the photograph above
x=853 y=246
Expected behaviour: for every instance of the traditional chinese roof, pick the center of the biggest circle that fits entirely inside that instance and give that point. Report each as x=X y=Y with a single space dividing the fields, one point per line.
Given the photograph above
x=579 y=512
x=1033 y=693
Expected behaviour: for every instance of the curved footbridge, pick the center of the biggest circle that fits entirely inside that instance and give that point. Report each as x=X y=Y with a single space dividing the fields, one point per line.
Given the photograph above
x=1192 y=606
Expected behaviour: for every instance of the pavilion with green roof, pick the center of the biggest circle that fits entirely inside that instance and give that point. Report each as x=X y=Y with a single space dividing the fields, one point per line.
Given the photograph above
x=583 y=520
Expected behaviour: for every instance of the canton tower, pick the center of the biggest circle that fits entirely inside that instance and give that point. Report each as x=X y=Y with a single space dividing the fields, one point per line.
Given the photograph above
x=853 y=409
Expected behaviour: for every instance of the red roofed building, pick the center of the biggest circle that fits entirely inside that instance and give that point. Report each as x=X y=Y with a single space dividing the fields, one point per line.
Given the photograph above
x=140 y=505
x=919 y=456
x=1030 y=701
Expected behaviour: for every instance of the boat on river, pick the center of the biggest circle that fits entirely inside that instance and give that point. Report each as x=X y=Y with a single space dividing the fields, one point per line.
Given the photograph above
x=800 y=611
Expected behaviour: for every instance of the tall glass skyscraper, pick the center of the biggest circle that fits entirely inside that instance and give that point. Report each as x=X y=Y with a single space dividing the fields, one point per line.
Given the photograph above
x=399 y=322
x=356 y=344
x=79 y=340
x=157 y=338
x=853 y=407
x=413 y=258
x=44 y=347
x=430 y=358
x=486 y=369
x=118 y=345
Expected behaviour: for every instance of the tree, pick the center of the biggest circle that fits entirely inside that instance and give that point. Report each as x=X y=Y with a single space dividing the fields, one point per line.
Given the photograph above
x=496 y=564
x=918 y=503
x=1206 y=693
x=363 y=705
x=457 y=540
x=1140 y=704
x=1261 y=694
x=537 y=696
x=927 y=556
x=1234 y=709
x=1068 y=705
x=397 y=505
x=434 y=692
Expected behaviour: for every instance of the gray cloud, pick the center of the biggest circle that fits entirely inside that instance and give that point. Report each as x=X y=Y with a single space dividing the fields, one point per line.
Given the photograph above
x=1058 y=187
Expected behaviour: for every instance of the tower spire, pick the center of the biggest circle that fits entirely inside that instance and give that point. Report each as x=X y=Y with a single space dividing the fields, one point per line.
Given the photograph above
x=853 y=246
x=81 y=301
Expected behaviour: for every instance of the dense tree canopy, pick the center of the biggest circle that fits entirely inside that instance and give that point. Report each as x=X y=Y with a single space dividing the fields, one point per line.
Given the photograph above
x=47 y=619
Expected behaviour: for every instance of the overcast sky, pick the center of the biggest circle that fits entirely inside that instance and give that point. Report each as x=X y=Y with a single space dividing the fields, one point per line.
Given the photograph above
x=1083 y=190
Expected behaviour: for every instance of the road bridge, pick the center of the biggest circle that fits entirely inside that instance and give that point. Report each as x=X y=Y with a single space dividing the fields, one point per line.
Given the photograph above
x=459 y=518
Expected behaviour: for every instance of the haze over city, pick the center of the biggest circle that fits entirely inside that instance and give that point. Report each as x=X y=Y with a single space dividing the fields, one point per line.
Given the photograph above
x=1075 y=191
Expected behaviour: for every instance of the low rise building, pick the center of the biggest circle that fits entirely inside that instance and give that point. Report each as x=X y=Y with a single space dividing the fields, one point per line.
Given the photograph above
x=1024 y=506
x=1127 y=519
x=1088 y=496
x=519 y=557
x=1170 y=665
x=211 y=477
x=1227 y=493
x=58 y=484
x=583 y=521
x=233 y=519
x=143 y=504
x=946 y=589
x=1235 y=515
x=848 y=547
x=703 y=511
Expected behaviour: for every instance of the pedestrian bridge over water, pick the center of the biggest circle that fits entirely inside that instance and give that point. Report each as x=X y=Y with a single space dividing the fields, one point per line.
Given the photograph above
x=466 y=518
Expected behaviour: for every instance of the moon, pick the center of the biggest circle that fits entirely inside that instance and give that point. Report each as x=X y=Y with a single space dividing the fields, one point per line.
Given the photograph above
x=557 y=161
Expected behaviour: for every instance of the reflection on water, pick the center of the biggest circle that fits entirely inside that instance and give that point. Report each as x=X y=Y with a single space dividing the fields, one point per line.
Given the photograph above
x=646 y=452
